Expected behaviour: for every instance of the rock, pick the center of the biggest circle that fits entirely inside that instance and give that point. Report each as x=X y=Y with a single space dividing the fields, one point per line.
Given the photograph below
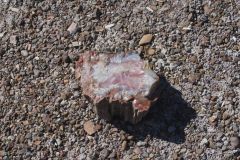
x=212 y=119
x=14 y=9
x=147 y=38
x=150 y=51
x=109 y=26
x=13 y=40
x=119 y=85
x=124 y=145
x=75 y=44
x=90 y=128
x=235 y=142
x=104 y=153
x=24 y=53
x=204 y=142
x=141 y=144
x=137 y=150
x=2 y=34
x=225 y=115
x=73 y=28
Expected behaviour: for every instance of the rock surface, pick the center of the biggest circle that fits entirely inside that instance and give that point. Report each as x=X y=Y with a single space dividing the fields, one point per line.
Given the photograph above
x=120 y=85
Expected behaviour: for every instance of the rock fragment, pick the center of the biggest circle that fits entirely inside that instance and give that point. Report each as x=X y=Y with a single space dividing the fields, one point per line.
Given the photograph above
x=13 y=39
x=235 y=142
x=73 y=28
x=150 y=51
x=119 y=85
x=90 y=128
x=147 y=38
x=24 y=53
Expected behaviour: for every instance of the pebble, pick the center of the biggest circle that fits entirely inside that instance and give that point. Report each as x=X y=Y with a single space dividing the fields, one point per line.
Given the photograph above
x=109 y=26
x=235 y=142
x=104 y=153
x=90 y=128
x=137 y=150
x=204 y=142
x=150 y=51
x=13 y=40
x=124 y=145
x=73 y=28
x=24 y=53
x=140 y=143
x=147 y=38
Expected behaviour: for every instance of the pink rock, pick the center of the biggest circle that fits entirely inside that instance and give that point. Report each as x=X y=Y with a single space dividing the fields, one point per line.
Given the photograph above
x=119 y=85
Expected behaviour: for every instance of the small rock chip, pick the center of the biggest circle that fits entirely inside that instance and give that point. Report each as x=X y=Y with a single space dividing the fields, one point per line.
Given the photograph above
x=14 y=9
x=37 y=142
x=147 y=38
x=235 y=142
x=109 y=26
x=104 y=153
x=150 y=51
x=99 y=29
x=75 y=44
x=2 y=34
x=72 y=28
x=204 y=142
x=24 y=53
x=149 y=9
x=212 y=119
x=137 y=150
x=13 y=40
x=124 y=145
x=90 y=128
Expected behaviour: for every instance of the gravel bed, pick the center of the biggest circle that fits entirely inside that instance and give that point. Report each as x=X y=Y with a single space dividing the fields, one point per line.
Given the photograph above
x=195 y=49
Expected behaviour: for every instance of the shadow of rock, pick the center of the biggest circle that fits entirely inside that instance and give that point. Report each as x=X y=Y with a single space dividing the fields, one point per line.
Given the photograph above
x=166 y=120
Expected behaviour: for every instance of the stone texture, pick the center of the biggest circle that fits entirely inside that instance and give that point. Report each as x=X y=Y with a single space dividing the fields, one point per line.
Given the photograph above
x=119 y=85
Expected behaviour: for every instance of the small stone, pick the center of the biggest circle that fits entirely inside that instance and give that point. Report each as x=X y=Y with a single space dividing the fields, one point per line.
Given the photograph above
x=99 y=29
x=109 y=26
x=124 y=145
x=147 y=38
x=225 y=115
x=112 y=155
x=199 y=151
x=150 y=51
x=2 y=34
x=193 y=78
x=37 y=143
x=193 y=59
x=73 y=28
x=90 y=128
x=141 y=144
x=137 y=150
x=204 y=142
x=13 y=40
x=235 y=142
x=75 y=44
x=14 y=9
x=149 y=9
x=104 y=153
x=24 y=53
x=212 y=119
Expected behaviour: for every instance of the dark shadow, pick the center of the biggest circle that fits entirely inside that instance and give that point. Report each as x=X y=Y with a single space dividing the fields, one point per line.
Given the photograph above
x=166 y=120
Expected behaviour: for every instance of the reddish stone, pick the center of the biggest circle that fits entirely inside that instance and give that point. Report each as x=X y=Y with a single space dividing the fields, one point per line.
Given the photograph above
x=119 y=85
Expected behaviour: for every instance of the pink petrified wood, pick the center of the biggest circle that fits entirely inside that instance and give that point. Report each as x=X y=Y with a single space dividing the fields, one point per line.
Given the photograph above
x=119 y=85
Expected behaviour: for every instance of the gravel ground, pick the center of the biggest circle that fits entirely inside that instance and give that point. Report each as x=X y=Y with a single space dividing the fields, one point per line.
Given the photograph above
x=196 y=49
